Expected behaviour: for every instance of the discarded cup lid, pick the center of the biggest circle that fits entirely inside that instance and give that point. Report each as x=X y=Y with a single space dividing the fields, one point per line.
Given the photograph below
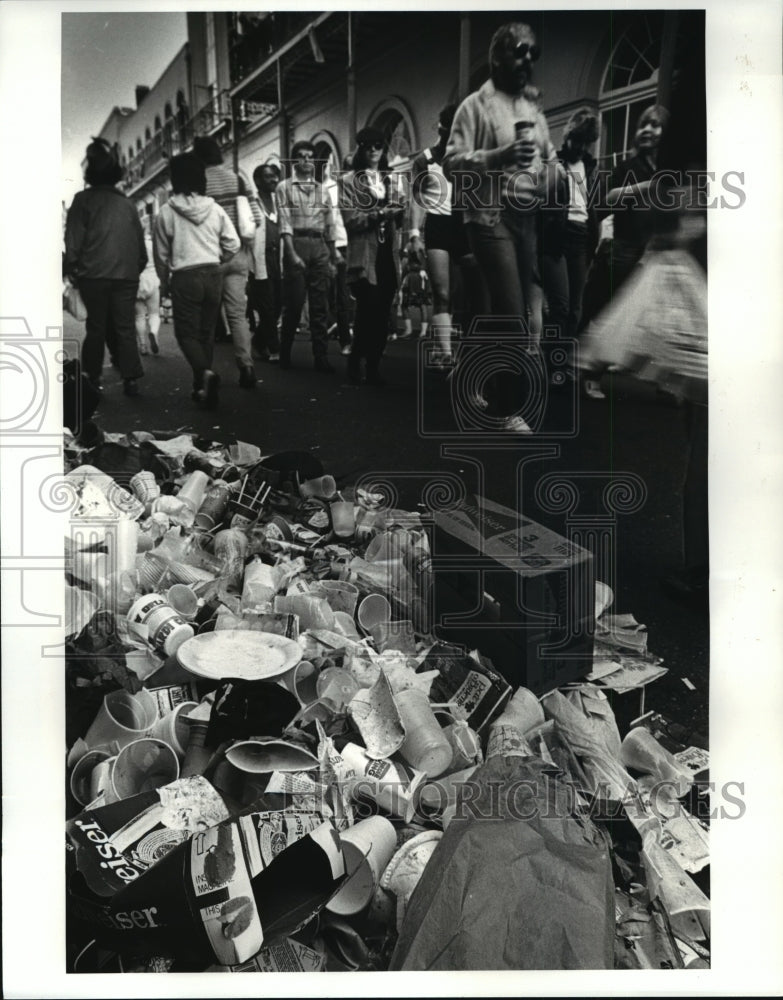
x=403 y=872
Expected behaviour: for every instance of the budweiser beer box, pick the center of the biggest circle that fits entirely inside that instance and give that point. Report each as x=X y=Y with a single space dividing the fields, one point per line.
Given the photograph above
x=518 y=592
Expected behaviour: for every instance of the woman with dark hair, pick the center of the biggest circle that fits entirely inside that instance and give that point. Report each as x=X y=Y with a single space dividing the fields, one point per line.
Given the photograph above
x=104 y=256
x=193 y=237
x=372 y=210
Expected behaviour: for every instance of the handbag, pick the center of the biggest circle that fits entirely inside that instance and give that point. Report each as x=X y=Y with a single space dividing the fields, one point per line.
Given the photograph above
x=246 y=223
x=73 y=303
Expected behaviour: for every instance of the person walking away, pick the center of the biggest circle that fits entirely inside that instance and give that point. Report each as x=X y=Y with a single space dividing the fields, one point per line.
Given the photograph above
x=307 y=229
x=570 y=227
x=193 y=237
x=339 y=296
x=225 y=187
x=104 y=256
x=266 y=283
x=148 y=304
x=372 y=211
x=500 y=134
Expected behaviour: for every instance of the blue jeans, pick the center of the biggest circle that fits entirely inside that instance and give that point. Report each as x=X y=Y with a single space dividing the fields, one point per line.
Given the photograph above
x=111 y=311
x=235 y=272
x=195 y=303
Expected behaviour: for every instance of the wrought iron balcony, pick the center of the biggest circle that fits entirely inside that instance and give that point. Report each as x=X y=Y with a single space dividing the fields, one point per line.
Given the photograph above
x=177 y=137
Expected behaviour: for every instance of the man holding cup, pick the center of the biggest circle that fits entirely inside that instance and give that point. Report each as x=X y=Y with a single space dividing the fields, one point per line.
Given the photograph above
x=502 y=164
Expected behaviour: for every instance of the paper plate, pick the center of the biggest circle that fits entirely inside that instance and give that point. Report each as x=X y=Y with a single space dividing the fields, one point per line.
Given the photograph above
x=247 y=655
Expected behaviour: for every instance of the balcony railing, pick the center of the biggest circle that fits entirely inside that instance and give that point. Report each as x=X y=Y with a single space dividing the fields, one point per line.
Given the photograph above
x=175 y=138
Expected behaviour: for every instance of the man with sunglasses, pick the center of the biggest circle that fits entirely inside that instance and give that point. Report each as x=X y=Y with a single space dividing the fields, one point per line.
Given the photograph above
x=307 y=229
x=502 y=164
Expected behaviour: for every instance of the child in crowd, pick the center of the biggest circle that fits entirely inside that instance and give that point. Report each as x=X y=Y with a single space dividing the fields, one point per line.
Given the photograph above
x=193 y=235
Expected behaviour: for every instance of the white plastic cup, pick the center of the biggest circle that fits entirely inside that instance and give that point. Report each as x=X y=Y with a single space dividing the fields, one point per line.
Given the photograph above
x=143 y=766
x=373 y=610
x=368 y=847
x=343 y=519
x=145 y=487
x=393 y=786
x=323 y=487
x=336 y=687
x=81 y=775
x=341 y=595
x=184 y=600
x=172 y=728
x=425 y=747
x=101 y=786
x=193 y=490
x=150 y=571
x=122 y=717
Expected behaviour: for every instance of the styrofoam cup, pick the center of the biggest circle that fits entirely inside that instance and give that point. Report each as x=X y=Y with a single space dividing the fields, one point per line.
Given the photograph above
x=123 y=717
x=368 y=847
x=142 y=766
x=172 y=728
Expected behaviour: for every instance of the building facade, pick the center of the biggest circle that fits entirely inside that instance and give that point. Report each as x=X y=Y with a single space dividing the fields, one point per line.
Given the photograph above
x=259 y=81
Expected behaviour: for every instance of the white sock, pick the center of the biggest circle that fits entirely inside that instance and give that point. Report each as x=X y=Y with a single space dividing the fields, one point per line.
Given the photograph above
x=441 y=327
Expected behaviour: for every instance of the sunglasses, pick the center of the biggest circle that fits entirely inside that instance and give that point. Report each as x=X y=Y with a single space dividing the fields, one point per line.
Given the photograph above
x=525 y=51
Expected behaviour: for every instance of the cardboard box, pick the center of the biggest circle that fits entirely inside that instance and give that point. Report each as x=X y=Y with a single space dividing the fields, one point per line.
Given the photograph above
x=515 y=590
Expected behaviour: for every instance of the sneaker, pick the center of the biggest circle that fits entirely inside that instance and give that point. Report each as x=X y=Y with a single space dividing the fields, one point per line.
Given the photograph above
x=593 y=389
x=130 y=387
x=516 y=425
x=346 y=350
x=153 y=339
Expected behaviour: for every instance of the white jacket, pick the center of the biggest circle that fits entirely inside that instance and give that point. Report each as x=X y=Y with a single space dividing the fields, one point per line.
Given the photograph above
x=191 y=231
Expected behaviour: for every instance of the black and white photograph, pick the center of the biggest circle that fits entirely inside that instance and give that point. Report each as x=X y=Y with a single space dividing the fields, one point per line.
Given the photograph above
x=391 y=455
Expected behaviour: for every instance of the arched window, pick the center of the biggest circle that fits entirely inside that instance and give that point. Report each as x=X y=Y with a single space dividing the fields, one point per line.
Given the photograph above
x=167 y=112
x=630 y=84
x=393 y=118
x=147 y=134
x=158 y=125
x=182 y=108
x=138 y=144
x=130 y=152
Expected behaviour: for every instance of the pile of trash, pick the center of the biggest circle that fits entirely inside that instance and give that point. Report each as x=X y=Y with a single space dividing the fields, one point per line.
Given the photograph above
x=274 y=764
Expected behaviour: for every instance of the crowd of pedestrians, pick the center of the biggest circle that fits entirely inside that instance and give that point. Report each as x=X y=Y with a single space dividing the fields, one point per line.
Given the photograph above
x=490 y=221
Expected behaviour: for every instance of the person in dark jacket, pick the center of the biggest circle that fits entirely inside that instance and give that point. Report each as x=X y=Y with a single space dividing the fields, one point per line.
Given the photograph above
x=104 y=256
x=372 y=211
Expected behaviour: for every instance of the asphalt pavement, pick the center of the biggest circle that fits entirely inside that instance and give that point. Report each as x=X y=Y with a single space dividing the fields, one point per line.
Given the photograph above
x=596 y=468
